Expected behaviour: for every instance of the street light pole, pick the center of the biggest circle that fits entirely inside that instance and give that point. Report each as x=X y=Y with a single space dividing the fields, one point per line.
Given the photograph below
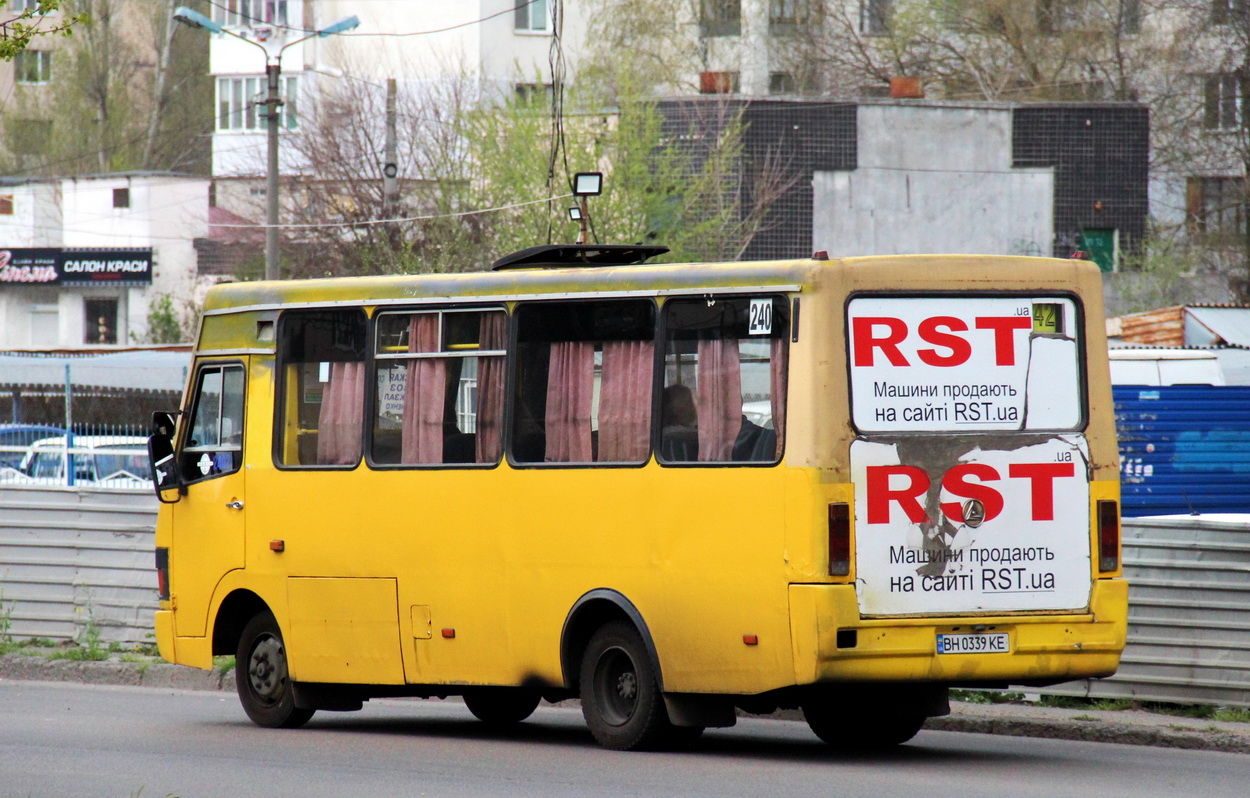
x=273 y=48
x=273 y=260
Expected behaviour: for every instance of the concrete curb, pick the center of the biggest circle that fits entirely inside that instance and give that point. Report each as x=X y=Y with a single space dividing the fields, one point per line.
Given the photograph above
x=1099 y=730
x=1126 y=727
x=14 y=667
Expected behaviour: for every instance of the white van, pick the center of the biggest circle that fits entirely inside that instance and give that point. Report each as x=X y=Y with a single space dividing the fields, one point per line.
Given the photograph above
x=1165 y=367
x=115 y=461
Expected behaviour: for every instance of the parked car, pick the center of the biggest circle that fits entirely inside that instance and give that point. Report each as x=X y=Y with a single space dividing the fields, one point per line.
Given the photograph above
x=15 y=441
x=111 y=460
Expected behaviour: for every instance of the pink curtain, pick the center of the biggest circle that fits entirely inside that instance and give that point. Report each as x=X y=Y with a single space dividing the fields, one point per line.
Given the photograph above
x=778 y=367
x=625 y=401
x=341 y=416
x=570 y=384
x=720 y=399
x=424 y=395
x=492 y=335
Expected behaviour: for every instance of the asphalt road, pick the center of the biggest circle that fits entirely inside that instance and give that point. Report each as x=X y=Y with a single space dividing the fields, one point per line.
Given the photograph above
x=91 y=740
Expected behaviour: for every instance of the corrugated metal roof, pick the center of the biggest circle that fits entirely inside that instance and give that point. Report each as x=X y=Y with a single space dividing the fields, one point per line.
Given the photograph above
x=1162 y=327
x=1230 y=325
x=143 y=370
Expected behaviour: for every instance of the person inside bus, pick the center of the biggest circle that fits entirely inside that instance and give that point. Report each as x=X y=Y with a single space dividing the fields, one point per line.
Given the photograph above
x=679 y=420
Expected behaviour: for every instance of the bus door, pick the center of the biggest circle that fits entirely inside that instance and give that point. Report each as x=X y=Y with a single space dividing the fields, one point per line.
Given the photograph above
x=208 y=522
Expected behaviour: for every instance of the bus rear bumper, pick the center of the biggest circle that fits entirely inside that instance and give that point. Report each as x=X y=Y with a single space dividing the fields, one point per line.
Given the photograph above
x=833 y=643
x=194 y=651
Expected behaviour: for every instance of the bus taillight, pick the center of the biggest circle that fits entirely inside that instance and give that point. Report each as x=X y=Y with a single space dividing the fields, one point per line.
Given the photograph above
x=839 y=539
x=1108 y=536
x=162 y=573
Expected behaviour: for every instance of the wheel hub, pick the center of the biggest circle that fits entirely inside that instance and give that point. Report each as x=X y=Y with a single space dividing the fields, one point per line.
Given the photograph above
x=627 y=685
x=267 y=669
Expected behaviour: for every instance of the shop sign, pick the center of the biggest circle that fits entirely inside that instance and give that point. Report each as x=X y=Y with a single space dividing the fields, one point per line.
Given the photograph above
x=59 y=266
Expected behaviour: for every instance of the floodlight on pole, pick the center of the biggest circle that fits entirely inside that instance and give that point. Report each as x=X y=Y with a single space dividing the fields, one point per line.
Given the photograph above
x=273 y=48
x=585 y=184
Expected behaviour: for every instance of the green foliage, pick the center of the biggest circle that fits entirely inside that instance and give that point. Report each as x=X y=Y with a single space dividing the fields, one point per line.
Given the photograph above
x=986 y=696
x=163 y=324
x=29 y=24
x=167 y=324
x=223 y=665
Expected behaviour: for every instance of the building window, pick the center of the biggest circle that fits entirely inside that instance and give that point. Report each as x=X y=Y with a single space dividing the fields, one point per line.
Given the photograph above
x=720 y=17
x=1225 y=101
x=100 y=317
x=1056 y=16
x=6 y=204
x=241 y=103
x=1225 y=12
x=781 y=83
x=250 y=13
x=718 y=82
x=532 y=17
x=25 y=5
x=1217 y=207
x=121 y=198
x=785 y=16
x=33 y=66
x=534 y=93
x=874 y=17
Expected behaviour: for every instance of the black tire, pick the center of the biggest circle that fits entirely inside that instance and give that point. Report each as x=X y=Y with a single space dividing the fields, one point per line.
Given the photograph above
x=862 y=728
x=501 y=706
x=261 y=677
x=621 y=698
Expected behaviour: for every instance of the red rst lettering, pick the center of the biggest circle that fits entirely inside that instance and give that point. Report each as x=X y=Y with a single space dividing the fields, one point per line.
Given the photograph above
x=955 y=481
x=880 y=494
x=1042 y=476
x=960 y=349
x=862 y=328
x=1004 y=339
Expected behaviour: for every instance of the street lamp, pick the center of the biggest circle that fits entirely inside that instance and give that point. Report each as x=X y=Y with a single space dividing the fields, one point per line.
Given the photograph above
x=273 y=48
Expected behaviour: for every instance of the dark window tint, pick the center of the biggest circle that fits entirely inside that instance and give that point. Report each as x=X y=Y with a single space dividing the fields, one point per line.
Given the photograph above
x=321 y=358
x=724 y=394
x=214 y=444
x=583 y=382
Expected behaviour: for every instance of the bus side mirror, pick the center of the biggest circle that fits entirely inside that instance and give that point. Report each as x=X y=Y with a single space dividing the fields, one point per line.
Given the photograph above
x=165 y=474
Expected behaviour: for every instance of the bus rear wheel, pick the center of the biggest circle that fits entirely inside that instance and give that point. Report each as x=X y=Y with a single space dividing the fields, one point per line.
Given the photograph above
x=262 y=679
x=862 y=726
x=620 y=694
x=501 y=705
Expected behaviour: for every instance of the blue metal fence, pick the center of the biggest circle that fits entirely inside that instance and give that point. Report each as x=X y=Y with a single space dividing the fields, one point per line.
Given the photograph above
x=1184 y=449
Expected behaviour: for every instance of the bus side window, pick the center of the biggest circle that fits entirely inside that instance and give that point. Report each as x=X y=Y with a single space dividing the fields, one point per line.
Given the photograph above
x=321 y=360
x=440 y=379
x=724 y=394
x=214 y=445
x=583 y=382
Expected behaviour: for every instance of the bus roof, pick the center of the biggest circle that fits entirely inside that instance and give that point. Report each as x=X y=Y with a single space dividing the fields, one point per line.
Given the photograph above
x=649 y=278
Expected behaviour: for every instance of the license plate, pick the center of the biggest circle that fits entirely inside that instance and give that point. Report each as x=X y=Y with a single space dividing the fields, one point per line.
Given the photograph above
x=992 y=643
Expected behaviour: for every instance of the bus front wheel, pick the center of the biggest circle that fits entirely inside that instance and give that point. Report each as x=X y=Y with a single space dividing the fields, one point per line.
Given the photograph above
x=501 y=705
x=261 y=677
x=621 y=698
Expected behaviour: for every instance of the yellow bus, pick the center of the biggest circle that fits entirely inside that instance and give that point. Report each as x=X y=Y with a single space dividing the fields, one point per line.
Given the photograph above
x=670 y=490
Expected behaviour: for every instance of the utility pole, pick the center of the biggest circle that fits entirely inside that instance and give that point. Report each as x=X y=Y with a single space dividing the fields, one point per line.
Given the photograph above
x=390 y=167
x=273 y=69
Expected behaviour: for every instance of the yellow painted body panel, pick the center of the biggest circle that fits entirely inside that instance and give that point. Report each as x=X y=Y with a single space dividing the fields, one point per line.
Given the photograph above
x=1043 y=647
x=467 y=576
